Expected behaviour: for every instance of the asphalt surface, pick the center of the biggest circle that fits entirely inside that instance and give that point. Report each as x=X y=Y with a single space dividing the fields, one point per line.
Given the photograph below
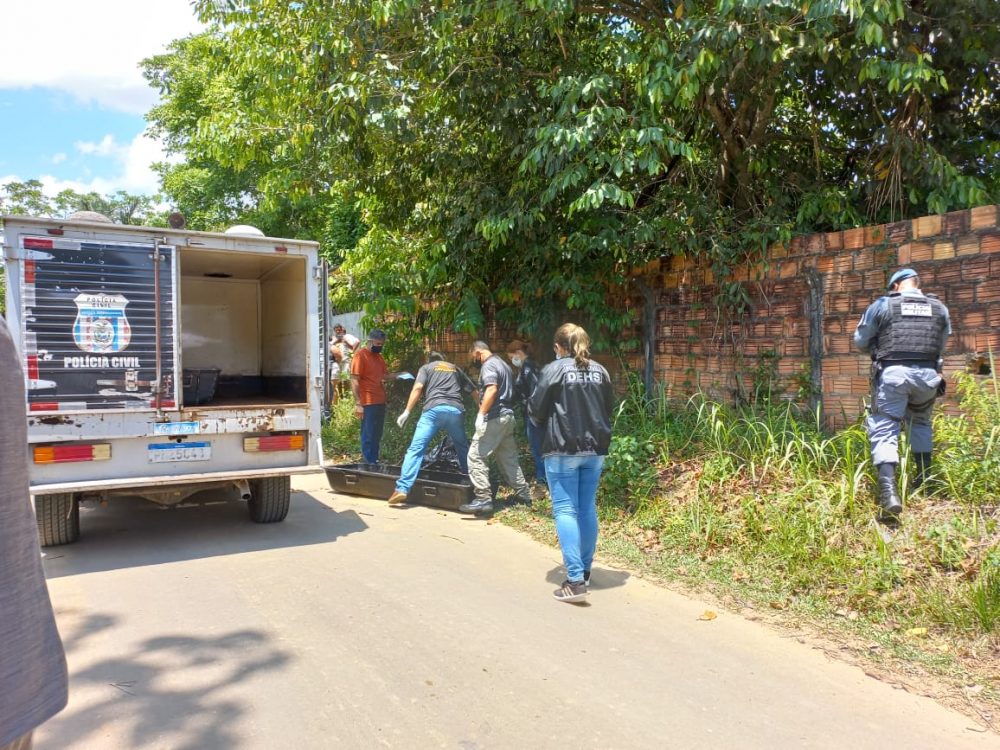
x=354 y=625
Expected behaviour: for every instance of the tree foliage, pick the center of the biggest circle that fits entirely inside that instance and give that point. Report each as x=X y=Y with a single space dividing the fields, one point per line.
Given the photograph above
x=523 y=156
x=29 y=199
x=216 y=187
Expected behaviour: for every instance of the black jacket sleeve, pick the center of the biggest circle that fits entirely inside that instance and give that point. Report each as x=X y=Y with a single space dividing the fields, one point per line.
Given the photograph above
x=543 y=395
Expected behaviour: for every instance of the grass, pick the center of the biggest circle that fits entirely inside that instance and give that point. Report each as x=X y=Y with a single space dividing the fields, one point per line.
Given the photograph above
x=761 y=508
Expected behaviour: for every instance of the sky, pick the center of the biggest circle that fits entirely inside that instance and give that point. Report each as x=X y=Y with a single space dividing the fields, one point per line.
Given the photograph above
x=72 y=98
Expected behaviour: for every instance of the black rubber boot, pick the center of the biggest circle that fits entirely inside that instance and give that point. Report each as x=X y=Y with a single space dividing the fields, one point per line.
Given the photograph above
x=479 y=507
x=922 y=461
x=888 y=497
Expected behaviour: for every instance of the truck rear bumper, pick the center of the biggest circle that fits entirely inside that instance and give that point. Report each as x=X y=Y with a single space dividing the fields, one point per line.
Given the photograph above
x=167 y=481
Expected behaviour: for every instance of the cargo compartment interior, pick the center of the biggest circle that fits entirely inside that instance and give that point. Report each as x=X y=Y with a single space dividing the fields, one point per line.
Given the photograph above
x=243 y=328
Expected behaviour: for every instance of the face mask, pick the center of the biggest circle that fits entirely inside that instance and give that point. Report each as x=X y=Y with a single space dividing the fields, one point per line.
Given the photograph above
x=517 y=361
x=376 y=348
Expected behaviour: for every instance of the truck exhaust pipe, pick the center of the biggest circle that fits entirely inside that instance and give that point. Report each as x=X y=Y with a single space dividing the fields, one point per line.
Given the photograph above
x=244 y=488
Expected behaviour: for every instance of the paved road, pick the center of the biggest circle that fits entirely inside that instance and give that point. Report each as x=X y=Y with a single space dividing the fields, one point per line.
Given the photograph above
x=353 y=625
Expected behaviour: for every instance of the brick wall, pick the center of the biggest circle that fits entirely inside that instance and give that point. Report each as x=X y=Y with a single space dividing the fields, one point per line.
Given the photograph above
x=811 y=294
x=802 y=303
x=456 y=346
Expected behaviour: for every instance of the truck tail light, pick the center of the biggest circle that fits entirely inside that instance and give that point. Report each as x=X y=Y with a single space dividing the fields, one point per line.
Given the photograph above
x=64 y=454
x=266 y=443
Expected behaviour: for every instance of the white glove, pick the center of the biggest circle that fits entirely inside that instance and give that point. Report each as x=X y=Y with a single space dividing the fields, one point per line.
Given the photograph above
x=480 y=422
x=401 y=420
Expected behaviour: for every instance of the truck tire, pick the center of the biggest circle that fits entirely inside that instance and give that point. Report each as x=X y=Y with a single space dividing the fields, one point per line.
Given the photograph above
x=269 y=499
x=58 y=518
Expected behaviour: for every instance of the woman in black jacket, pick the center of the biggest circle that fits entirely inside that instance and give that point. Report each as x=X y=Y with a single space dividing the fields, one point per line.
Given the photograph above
x=524 y=385
x=572 y=404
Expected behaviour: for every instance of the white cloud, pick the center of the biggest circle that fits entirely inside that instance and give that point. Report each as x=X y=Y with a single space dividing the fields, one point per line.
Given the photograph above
x=105 y=147
x=58 y=158
x=130 y=168
x=91 y=50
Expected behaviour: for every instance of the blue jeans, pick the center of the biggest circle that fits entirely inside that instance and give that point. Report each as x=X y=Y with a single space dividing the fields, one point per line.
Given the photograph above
x=372 y=422
x=573 y=484
x=535 y=443
x=433 y=420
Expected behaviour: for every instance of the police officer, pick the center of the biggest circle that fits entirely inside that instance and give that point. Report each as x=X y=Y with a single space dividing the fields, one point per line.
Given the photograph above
x=905 y=333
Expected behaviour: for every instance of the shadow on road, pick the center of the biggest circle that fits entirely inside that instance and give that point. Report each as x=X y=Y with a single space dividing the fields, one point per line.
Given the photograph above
x=600 y=578
x=169 y=691
x=130 y=532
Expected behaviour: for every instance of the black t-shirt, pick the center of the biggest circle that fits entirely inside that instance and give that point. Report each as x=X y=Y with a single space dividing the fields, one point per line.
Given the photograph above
x=444 y=385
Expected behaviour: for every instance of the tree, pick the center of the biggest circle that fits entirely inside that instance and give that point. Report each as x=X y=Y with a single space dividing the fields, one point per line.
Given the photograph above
x=521 y=157
x=29 y=198
x=198 y=83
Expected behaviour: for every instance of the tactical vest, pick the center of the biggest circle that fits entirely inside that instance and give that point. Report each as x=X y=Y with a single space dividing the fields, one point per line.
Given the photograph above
x=914 y=330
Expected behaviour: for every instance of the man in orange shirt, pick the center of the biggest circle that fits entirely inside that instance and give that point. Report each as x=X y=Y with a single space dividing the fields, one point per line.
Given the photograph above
x=368 y=371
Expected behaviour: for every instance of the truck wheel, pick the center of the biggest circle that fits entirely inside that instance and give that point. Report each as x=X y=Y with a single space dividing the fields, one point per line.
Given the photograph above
x=269 y=499
x=58 y=518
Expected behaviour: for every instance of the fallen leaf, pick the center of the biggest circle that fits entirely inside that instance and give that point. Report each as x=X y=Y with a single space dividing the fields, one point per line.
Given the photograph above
x=708 y=615
x=778 y=605
x=916 y=631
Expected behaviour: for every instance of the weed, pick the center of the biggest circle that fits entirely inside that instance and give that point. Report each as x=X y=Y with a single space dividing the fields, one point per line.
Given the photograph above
x=984 y=593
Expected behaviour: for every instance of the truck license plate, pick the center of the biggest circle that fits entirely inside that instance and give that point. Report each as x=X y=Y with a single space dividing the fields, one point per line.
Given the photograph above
x=172 y=452
x=176 y=428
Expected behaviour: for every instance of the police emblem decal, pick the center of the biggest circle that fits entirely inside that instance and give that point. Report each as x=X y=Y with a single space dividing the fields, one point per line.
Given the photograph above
x=101 y=325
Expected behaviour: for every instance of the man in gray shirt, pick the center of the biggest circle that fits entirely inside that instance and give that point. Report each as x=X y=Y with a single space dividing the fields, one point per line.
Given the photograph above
x=32 y=663
x=442 y=385
x=494 y=434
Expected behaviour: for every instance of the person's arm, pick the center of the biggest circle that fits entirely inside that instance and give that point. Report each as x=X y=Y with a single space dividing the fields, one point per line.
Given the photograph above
x=411 y=403
x=867 y=328
x=356 y=385
x=467 y=386
x=530 y=381
x=415 y=392
x=489 y=398
x=356 y=389
x=540 y=403
x=519 y=394
x=947 y=330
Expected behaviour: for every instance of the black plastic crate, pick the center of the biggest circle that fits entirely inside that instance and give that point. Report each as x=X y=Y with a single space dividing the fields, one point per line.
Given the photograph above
x=438 y=489
x=199 y=386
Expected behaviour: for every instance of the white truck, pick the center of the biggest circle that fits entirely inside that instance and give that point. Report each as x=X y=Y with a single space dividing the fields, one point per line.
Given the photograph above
x=162 y=362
